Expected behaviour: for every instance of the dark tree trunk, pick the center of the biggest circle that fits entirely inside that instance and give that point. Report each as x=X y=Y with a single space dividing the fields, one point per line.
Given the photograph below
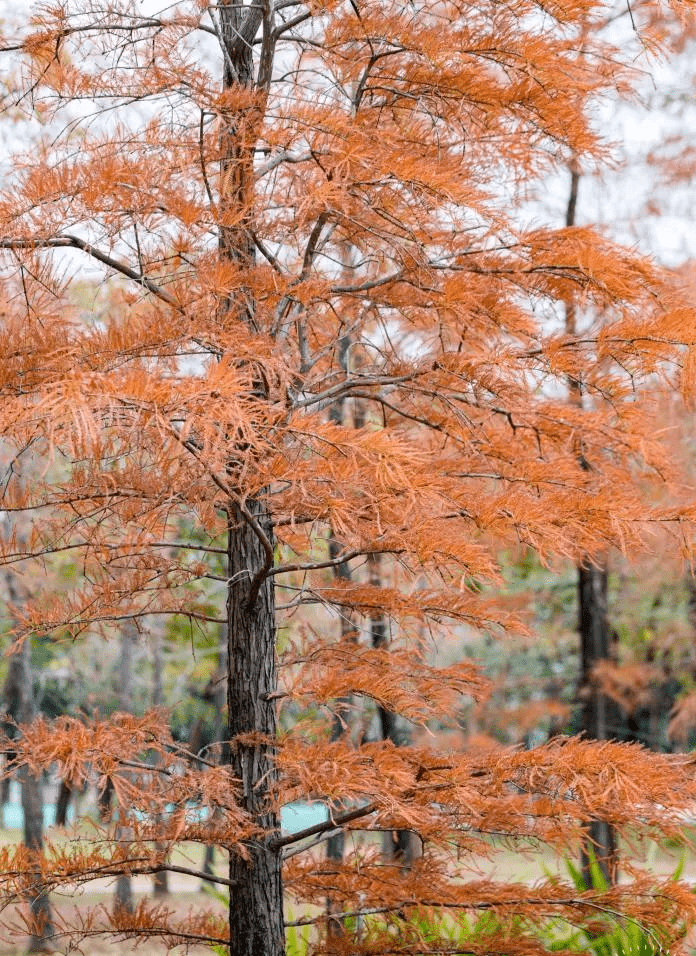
x=208 y=864
x=19 y=701
x=595 y=642
x=32 y=805
x=598 y=713
x=123 y=901
x=335 y=845
x=7 y=780
x=256 y=901
x=104 y=798
x=400 y=846
x=39 y=903
x=593 y=627
x=63 y=803
x=160 y=881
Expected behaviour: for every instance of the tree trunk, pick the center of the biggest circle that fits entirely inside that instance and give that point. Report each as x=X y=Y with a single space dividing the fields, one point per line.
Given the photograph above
x=122 y=832
x=19 y=701
x=104 y=799
x=123 y=896
x=63 y=803
x=593 y=627
x=208 y=864
x=598 y=716
x=222 y=751
x=340 y=726
x=335 y=846
x=256 y=900
x=160 y=880
x=39 y=902
x=595 y=643
x=399 y=846
x=6 y=780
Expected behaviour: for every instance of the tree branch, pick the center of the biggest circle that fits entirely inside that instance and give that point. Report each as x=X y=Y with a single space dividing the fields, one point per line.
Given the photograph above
x=336 y=822
x=75 y=242
x=143 y=24
x=268 y=43
x=289 y=24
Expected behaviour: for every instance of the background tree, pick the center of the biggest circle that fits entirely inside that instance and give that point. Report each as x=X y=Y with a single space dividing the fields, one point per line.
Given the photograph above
x=19 y=702
x=227 y=158
x=128 y=638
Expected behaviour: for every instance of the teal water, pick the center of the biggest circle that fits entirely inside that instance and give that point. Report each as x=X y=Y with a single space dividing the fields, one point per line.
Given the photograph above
x=13 y=815
x=293 y=817
x=298 y=816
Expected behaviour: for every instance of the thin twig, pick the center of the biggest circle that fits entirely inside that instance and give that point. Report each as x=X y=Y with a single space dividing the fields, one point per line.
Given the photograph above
x=75 y=242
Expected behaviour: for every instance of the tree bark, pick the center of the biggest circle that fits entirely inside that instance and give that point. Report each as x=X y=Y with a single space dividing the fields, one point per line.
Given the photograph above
x=39 y=903
x=104 y=799
x=256 y=900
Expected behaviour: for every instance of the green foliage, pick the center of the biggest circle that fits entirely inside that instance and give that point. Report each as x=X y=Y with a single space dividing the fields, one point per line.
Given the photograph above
x=297 y=940
x=627 y=938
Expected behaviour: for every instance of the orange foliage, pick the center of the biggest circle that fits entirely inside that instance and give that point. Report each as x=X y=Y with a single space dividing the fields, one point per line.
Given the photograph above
x=339 y=224
x=631 y=686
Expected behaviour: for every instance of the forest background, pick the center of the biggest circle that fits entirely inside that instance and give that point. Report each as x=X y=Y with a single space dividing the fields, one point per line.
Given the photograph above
x=473 y=457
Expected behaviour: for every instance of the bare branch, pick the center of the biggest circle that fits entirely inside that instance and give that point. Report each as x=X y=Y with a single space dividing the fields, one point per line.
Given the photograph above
x=369 y=284
x=284 y=157
x=75 y=242
x=289 y=24
x=337 y=821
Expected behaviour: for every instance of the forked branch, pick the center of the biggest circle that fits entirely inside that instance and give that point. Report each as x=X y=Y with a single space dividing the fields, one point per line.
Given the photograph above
x=75 y=242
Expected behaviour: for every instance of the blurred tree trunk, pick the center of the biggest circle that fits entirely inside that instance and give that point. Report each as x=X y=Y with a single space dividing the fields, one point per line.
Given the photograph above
x=399 y=846
x=221 y=752
x=593 y=628
x=63 y=803
x=160 y=880
x=123 y=901
x=599 y=714
x=340 y=724
x=104 y=799
x=40 y=905
x=6 y=780
x=19 y=703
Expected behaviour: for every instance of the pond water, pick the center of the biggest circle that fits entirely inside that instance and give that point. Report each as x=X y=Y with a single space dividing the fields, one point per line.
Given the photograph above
x=293 y=817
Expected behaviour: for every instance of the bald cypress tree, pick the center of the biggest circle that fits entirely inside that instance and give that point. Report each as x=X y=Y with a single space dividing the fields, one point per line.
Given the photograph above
x=228 y=156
